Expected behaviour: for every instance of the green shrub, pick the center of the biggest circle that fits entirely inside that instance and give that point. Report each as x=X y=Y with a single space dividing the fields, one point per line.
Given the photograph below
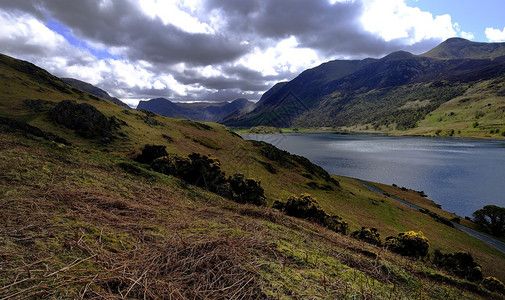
x=306 y=207
x=437 y=217
x=200 y=170
x=150 y=153
x=246 y=190
x=493 y=284
x=369 y=235
x=409 y=243
x=205 y=171
x=460 y=264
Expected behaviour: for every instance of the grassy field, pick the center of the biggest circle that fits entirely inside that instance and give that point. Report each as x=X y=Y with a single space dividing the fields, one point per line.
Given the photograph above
x=76 y=225
x=85 y=220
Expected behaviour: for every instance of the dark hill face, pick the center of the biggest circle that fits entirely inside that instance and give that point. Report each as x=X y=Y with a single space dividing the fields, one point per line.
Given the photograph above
x=164 y=107
x=200 y=111
x=93 y=90
x=338 y=92
x=281 y=105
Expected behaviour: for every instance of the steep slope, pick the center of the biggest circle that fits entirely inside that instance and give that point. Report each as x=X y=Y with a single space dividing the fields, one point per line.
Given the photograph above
x=93 y=90
x=286 y=101
x=82 y=219
x=392 y=93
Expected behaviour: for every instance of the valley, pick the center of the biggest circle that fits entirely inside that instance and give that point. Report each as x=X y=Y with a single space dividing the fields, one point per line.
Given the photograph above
x=83 y=217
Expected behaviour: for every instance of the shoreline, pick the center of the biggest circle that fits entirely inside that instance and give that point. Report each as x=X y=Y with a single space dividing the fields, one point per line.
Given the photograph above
x=348 y=132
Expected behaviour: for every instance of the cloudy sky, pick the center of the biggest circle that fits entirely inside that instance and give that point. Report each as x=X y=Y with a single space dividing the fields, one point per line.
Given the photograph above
x=219 y=50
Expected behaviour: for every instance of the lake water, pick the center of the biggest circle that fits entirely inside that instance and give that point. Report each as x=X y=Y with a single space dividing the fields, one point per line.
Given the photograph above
x=462 y=175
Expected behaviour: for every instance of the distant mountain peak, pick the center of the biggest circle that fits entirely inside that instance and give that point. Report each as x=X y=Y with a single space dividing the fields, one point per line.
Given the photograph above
x=399 y=55
x=198 y=111
x=459 y=48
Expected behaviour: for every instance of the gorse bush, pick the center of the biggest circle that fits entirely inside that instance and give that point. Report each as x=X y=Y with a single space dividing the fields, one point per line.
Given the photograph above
x=306 y=207
x=369 y=235
x=460 y=264
x=246 y=190
x=200 y=170
x=205 y=171
x=150 y=153
x=409 y=243
x=493 y=284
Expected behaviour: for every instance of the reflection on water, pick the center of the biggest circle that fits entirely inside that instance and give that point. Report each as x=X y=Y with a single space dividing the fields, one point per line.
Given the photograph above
x=462 y=175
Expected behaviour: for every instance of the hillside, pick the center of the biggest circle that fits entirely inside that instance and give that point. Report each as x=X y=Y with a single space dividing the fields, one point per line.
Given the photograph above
x=93 y=90
x=196 y=111
x=398 y=93
x=82 y=219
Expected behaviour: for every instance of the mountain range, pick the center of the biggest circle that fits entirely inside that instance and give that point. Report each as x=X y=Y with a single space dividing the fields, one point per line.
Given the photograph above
x=397 y=91
x=198 y=111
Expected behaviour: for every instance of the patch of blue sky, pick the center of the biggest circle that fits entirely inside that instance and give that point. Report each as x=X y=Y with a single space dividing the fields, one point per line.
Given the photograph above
x=471 y=15
x=69 y=36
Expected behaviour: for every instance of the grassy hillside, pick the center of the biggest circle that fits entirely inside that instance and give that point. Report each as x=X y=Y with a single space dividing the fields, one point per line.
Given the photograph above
x=479 y=112
x=82 y=219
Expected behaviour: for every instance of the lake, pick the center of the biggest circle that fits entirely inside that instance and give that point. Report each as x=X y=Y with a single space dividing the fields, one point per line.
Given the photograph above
x=462 y=175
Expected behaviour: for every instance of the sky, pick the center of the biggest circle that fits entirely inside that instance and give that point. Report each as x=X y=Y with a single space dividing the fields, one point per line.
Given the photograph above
x=220 y=50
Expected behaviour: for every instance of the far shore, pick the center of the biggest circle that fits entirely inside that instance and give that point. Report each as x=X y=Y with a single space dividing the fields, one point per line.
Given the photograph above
x=346 y=130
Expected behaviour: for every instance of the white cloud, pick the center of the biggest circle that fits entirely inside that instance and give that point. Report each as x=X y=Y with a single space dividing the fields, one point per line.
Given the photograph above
x=395 y=20
x=495 y=35
x=463 y=34
x=283 y=57
x=24 y=36
x=177 y=13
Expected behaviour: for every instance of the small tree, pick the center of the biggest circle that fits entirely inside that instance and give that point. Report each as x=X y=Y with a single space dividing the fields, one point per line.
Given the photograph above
x=491 y=218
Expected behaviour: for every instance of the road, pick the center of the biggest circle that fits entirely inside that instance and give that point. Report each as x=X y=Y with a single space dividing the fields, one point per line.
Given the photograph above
x=486 y=239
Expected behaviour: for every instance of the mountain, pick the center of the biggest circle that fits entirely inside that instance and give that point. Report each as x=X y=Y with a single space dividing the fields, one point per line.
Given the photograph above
x=198 y=111
x=458 y=48
x=93 y=90
x=163 y=107
x=86 y=215
x=395 y=92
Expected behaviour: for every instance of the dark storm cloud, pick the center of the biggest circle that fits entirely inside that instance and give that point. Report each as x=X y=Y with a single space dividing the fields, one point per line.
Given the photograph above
x=122 y=24
x=236 y=77
x=331 y=29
